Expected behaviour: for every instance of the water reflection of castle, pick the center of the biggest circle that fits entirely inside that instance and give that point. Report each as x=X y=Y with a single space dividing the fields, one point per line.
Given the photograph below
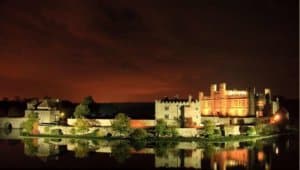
x=182 y=155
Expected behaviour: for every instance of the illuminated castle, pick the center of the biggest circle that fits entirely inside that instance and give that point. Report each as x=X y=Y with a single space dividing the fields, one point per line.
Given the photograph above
x=236 y=103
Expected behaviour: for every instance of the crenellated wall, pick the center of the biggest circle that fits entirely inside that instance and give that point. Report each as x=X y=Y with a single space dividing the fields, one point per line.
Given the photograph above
x=185 y=113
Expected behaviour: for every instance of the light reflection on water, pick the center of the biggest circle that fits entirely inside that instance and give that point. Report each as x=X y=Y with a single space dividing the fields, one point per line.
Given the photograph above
x=260 y=154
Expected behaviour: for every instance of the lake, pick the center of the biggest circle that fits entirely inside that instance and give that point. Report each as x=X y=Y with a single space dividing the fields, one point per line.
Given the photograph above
x=268 y=154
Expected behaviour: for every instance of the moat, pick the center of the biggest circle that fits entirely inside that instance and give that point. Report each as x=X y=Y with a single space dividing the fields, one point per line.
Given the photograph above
x=267 y=154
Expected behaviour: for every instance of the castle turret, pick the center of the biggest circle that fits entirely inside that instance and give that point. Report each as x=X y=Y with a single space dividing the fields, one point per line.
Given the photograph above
x=213 y=89
x=222 y=89
x=268 y=96
x=201 y=95
x=251 y=101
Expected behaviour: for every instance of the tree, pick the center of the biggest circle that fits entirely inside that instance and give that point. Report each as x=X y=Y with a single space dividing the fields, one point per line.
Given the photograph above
x=121 y=124
x=209 y=127
x=161 y=128
x=82 y=125
x=139 y=134
x=84 y=108
x=28 y=125
x=81 y=110
x=88 y=100
x=67 y=108
x=14 y=111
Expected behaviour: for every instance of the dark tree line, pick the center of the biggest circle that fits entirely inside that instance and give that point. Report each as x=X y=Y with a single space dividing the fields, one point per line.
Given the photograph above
x=12 y=108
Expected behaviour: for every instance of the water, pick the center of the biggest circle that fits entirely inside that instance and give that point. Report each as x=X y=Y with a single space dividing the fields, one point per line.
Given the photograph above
x=270 y=154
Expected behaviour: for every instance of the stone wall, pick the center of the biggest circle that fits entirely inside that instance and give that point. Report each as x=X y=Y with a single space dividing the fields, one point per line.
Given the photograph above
x=134 y=123
x=187 y=132
x=232 y=130
x=14 y=122
x=69 y=130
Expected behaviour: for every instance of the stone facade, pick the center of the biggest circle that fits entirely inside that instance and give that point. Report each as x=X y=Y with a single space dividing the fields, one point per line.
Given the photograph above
x=47 y=112
x=177 y=112
x=187 y=132
x=237 y=103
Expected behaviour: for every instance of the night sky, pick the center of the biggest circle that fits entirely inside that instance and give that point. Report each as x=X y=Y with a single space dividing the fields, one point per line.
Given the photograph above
x=120 y=51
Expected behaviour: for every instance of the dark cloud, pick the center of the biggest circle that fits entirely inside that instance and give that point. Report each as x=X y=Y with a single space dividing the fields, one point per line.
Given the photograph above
x=142 y=50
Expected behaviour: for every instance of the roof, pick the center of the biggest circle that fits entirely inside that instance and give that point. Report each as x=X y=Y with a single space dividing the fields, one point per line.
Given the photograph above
x=46 y=103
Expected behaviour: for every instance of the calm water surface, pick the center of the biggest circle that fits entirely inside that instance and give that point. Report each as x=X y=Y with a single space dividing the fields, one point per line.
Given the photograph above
x=270 y=154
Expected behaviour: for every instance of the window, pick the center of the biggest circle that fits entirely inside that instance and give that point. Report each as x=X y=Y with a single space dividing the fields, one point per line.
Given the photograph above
x=166 y=107
x=166 y=116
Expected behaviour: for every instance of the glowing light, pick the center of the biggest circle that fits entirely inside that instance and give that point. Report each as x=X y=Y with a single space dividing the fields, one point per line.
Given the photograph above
x=277 y=150
x=260 y=103
x=260 y=156
x=236 y=92
x=62 y=114
x=277 y=117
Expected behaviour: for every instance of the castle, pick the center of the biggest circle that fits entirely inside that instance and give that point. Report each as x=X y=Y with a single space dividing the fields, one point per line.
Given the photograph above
x=237 y=103
x=222 y=105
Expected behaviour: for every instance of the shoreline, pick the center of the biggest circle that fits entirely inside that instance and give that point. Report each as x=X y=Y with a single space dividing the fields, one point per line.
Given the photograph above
x=154 y=139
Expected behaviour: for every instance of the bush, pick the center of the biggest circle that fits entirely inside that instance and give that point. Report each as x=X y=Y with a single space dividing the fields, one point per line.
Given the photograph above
x=171 y=131
x=27 y=126
x=56 y=132
x=269 y=129
x=161 y=128
x=217 y=132
x=82 y=125
x=139 y=134
x=209 y=127
x=265 y=128
x=73 y=131
x=121 y=124
x=251 y=131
